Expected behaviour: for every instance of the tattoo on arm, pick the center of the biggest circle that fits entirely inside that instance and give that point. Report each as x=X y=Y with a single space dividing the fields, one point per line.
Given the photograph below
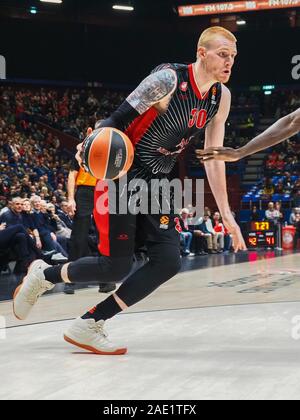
x=153 y=89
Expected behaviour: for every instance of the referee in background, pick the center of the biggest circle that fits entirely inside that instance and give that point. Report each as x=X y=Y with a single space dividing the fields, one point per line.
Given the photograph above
x=81 y=187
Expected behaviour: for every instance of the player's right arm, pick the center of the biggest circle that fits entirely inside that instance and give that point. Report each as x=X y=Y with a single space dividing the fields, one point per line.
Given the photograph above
x=157 y=87
x=284 y=128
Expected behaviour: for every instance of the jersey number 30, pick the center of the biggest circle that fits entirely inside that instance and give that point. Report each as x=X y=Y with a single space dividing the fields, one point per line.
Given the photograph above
x=198 y=117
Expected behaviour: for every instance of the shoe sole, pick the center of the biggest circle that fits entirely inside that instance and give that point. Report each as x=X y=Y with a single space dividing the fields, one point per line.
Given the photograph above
x=16 y=292
x=93 y=350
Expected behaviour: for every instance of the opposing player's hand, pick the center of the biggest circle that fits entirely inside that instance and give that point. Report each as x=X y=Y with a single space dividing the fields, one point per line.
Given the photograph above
x=237 y=237
x=78 y=155
x=72 y=207
x=226 y=154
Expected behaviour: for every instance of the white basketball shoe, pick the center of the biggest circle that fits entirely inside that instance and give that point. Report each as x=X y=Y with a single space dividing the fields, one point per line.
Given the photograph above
x=90 y=335
x=33 y=286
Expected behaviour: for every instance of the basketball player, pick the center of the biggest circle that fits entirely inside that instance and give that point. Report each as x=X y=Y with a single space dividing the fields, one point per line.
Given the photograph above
x=284 y=128
x=161 y=117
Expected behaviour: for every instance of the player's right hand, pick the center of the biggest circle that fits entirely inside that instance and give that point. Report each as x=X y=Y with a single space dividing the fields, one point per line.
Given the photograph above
x=226 y=154
x=238 y=241
x=79 y=147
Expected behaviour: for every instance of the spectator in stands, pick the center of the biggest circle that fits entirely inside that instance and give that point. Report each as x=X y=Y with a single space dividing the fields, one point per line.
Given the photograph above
x=186 y=235
x=280 y=165
x=64 y=214
x=43 y=225
x=296 y=199
x=220 y=231
x=14 y=246
x=205 y=225
x=13 y=219
x=293 y=215
x=272 y=215
x=28 y=222
x=61 y=230
x=279 y=188
x=278 y=207
x=254 y=217
x=268 y=189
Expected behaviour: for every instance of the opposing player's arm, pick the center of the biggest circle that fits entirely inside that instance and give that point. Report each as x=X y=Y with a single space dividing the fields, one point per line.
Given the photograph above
x=281 y=130
x=216 y=172
x=284 y=128
x=152 y=90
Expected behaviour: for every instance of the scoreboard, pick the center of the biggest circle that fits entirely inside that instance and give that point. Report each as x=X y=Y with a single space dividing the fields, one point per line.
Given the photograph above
x=261 y=235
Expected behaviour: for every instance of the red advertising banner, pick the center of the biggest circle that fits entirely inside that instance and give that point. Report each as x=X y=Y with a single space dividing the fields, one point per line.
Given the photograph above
x=236 y=7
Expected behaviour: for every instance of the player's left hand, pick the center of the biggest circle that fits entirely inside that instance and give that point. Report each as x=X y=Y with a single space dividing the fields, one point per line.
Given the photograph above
x=226 y=154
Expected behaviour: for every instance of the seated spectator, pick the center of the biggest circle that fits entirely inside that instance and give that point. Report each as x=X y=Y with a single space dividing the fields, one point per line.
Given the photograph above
x=268 y=189
x=278 y=207
x=61 y=230
x=293 y=215
x=205 y=225
x=43 y=225
x=224 y=238
x=15 y=239
x=255 y=217
x=185 y=234
x=279 y=189
x=64 y=214
x=272 y=215
x=28 y=222
x=296 y=199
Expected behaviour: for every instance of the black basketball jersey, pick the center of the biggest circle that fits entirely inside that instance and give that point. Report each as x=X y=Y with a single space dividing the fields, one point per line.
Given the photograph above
x=160 y=138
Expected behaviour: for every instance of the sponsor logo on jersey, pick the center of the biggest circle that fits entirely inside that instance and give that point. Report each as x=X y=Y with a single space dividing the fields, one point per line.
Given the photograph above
x=178 y=225
x=213 y=96
x=123 y=237
x=183 y=86
x=180 y=147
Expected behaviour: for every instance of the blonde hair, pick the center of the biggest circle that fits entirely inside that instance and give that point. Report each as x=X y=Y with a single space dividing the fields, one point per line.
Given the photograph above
x=209 y=34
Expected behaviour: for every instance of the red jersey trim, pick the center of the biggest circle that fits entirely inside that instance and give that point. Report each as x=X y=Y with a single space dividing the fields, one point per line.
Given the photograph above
x=102 y=222
x=140 y=125
x=194 y=84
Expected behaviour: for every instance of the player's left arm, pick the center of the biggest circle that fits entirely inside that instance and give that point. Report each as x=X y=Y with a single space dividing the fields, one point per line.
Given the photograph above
x=216 y=170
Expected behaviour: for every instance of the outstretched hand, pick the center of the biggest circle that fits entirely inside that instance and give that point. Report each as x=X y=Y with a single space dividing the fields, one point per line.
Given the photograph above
x=226 y=154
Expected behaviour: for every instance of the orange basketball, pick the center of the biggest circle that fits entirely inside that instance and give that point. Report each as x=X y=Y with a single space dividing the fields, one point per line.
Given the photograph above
x=107 y=153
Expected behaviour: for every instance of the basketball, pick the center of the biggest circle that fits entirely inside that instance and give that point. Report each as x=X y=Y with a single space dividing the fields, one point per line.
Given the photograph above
x=107 y=153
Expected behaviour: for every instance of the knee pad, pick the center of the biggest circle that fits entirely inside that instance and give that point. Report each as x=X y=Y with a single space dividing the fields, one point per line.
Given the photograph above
x=168 y=258
x=118 y=268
